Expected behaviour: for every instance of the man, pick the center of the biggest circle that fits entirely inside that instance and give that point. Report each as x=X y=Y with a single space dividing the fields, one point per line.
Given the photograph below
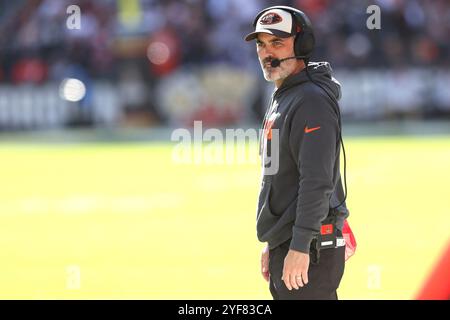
x=301 y=140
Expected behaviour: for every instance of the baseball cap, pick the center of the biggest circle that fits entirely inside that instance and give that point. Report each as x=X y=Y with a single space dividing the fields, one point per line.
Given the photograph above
x=277 y=22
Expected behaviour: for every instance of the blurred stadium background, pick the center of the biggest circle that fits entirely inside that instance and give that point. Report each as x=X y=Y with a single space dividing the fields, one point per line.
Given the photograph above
x=92 y=204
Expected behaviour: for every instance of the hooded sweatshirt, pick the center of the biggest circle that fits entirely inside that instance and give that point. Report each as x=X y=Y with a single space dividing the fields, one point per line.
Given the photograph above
x=300 y=148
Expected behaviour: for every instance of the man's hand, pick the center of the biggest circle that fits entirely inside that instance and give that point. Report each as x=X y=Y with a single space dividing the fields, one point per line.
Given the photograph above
x=265 y=263
x=295 y=270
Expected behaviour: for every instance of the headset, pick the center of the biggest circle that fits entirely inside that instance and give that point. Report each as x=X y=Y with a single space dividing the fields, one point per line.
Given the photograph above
x=304 y=39
x=304 y=43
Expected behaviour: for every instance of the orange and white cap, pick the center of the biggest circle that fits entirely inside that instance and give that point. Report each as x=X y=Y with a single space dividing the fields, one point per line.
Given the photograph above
x=277 y=22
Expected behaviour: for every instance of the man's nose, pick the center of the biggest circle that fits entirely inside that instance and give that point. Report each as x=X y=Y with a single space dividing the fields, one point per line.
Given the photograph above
x=265 y=53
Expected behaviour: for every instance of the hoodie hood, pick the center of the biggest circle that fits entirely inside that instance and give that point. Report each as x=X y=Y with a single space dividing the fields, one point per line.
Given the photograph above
x=320 y=72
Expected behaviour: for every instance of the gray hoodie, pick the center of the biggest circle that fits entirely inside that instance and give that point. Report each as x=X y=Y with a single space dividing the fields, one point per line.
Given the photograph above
x=296 y=198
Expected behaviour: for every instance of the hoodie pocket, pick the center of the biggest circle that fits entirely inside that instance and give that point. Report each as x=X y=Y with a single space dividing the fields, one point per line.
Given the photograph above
x=266 y=219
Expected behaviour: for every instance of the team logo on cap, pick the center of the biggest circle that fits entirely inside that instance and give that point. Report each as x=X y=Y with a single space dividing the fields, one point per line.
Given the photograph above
x=270 y=18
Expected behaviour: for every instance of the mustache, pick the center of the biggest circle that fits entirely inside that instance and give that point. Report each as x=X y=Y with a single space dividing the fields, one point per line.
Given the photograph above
x=267 y=60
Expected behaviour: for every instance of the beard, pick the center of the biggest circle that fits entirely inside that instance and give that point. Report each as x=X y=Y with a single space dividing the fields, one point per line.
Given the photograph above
x=281 y=72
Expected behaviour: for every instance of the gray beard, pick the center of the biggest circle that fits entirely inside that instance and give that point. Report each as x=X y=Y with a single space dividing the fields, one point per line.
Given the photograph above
x=281 y=72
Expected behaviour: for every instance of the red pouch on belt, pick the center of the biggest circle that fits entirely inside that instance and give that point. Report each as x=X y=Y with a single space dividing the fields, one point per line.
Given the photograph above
x=350 y=241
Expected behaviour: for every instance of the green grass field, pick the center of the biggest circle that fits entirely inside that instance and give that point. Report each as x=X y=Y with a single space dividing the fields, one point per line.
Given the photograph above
x=122 y=221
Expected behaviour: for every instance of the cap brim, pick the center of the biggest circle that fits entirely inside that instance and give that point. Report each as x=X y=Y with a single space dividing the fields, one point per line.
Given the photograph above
x=274 y=32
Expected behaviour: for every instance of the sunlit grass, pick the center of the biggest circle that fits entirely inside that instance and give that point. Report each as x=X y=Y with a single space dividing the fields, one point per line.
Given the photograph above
x=126 y=221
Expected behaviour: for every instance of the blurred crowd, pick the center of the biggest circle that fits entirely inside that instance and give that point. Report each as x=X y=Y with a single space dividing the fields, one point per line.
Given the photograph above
x=36 y=45
x=136 y=43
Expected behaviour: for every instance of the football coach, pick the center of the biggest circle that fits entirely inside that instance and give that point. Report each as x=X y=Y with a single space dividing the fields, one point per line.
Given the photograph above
x=301 y=203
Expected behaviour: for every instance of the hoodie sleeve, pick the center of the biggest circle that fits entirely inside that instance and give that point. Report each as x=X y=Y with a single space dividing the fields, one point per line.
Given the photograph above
x=313 y=141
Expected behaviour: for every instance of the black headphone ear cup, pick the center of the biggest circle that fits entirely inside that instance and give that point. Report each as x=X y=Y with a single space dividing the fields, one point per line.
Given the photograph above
x=304 y=44
x=308 y=43
x=298 y=41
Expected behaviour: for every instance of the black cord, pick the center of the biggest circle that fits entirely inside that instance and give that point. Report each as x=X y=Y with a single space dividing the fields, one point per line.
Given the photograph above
x=340 y=129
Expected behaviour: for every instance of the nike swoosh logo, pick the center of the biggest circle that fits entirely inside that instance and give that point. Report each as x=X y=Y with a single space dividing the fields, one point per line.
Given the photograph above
x=308 y=130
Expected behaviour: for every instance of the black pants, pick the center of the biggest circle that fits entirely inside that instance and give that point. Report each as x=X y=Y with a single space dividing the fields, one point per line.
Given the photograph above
x=323 y=278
